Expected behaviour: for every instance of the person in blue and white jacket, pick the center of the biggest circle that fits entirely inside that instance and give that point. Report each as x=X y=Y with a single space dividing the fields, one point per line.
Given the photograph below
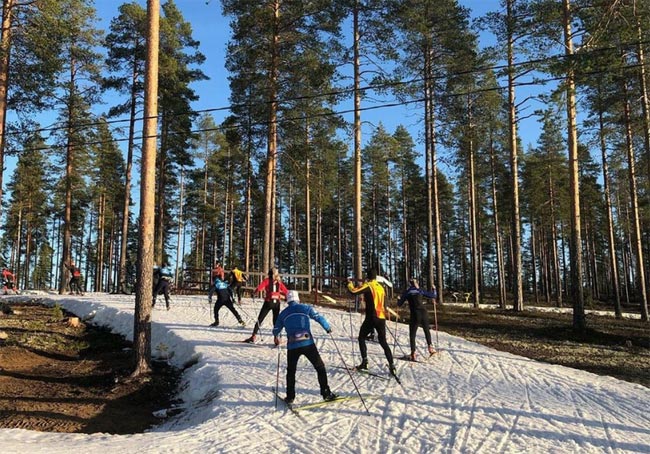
x=295 y=319
x=419 y=316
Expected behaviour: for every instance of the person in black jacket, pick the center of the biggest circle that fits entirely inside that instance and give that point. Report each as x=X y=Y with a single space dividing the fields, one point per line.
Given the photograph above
x=224 y=298
x=162 y=278
x=419 y=315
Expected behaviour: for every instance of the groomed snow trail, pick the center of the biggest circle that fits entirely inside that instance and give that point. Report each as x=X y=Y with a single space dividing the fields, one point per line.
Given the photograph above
x=467 y=399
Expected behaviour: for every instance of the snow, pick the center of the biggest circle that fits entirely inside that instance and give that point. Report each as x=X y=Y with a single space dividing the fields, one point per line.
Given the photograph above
x=467 y=399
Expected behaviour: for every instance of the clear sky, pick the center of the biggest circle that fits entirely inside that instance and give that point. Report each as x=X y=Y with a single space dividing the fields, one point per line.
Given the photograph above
x=212 y=30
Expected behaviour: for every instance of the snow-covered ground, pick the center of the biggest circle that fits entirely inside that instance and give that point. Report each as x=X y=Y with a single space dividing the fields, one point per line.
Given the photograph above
x=467 y=399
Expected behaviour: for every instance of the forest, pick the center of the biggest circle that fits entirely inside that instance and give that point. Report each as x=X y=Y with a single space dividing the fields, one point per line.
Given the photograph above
x=283 y=176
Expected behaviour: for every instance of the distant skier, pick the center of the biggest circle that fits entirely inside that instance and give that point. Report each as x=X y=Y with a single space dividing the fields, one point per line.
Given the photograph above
x=373 y=294
x=295 y=319
x=274 y=290
x=237 y=279
x=162 y=279
x=419 y=316
x=216 y=273
x=75 y=281
x=224 y=298
x=8 y=282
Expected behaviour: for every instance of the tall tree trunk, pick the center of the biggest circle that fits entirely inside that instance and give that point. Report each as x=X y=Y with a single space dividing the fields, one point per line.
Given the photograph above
x=611 y=242
x=473 y=215
x=517 y=283
x=143 y=296
x=497 y=229
x=269 y=203
x=67 y=216
x=634 y=205
x=121 y=279
x=308 y=219
x=357 y=145
x=5 y=53
x=577 y=290
x=101 y=218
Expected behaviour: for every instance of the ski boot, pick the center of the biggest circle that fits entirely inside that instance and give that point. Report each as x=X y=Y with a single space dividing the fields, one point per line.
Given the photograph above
x=363 y=365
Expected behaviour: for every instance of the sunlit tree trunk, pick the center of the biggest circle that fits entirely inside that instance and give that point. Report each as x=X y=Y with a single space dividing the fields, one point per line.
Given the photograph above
x=517 y=284
x=5 y=52
x=577 y=290
x=143 y=297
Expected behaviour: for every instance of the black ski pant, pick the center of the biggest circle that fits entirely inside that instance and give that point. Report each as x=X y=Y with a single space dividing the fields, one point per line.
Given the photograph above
x=161 y=287
x=311 y=353
x=228 y=302
x=236 y=289
x=419 y=318
x=266 y=308
x=369 y=324
x=75 y=285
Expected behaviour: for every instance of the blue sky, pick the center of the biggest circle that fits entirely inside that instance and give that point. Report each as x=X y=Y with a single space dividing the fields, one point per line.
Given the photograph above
x=212 y=30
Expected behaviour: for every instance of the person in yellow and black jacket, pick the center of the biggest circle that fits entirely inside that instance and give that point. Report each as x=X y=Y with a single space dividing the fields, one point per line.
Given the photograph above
x=237 y=279
x=373 y=295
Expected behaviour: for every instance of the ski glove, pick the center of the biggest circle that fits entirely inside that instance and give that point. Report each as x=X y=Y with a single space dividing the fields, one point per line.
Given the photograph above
x=329 y=331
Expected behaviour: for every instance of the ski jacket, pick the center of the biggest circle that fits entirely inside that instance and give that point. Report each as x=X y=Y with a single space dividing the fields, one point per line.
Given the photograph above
x=220 y=284
x=237 y=276
x=273 y=290
x=295 y=319
x=373 y=294
x=414 y=296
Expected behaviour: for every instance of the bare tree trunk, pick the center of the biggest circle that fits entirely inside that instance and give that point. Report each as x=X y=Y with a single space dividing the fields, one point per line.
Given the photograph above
x=67 y=216
x=577 y=290
x=357 y=146
x=634 y=204
x=5 y=53
x=517 y=284
x=308 y=218
x=611 y=242
x=497 y=229
x=473 y=216
x=101 y=218
x=269 y=203
x=121 y=279
x=143 y=297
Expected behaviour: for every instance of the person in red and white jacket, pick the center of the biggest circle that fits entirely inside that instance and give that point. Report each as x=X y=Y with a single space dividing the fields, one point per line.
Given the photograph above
x=274 y=291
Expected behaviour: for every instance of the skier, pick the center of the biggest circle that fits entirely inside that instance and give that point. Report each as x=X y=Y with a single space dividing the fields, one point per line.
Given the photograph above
x=274 y=290
x=419 y=316
x=75 y=280
x=295 y=321
x=237 y=279
x=162 y=278
x=224 y=298
x=8 y=281
x=373 y=294
x=217 y=272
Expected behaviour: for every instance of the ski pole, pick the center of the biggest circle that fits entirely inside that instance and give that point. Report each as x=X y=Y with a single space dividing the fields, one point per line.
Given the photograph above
x=277 y=378
x=435 y=319
x=351 y=329
x=349 y=373
x=395 y=339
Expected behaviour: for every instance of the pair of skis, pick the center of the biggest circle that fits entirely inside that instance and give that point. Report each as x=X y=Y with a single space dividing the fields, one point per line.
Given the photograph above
x=370 y=374
x=408 y=358
x=296 y=409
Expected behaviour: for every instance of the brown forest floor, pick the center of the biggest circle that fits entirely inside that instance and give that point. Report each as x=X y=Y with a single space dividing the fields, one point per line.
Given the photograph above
x=58 y=378
x=55 y=377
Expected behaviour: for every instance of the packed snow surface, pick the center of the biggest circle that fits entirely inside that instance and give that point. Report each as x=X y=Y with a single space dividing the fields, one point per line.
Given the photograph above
x=466 y=399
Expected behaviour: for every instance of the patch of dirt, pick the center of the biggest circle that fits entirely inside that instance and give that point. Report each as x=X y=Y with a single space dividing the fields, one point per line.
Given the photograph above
x=618 y=348
x=57 y=377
